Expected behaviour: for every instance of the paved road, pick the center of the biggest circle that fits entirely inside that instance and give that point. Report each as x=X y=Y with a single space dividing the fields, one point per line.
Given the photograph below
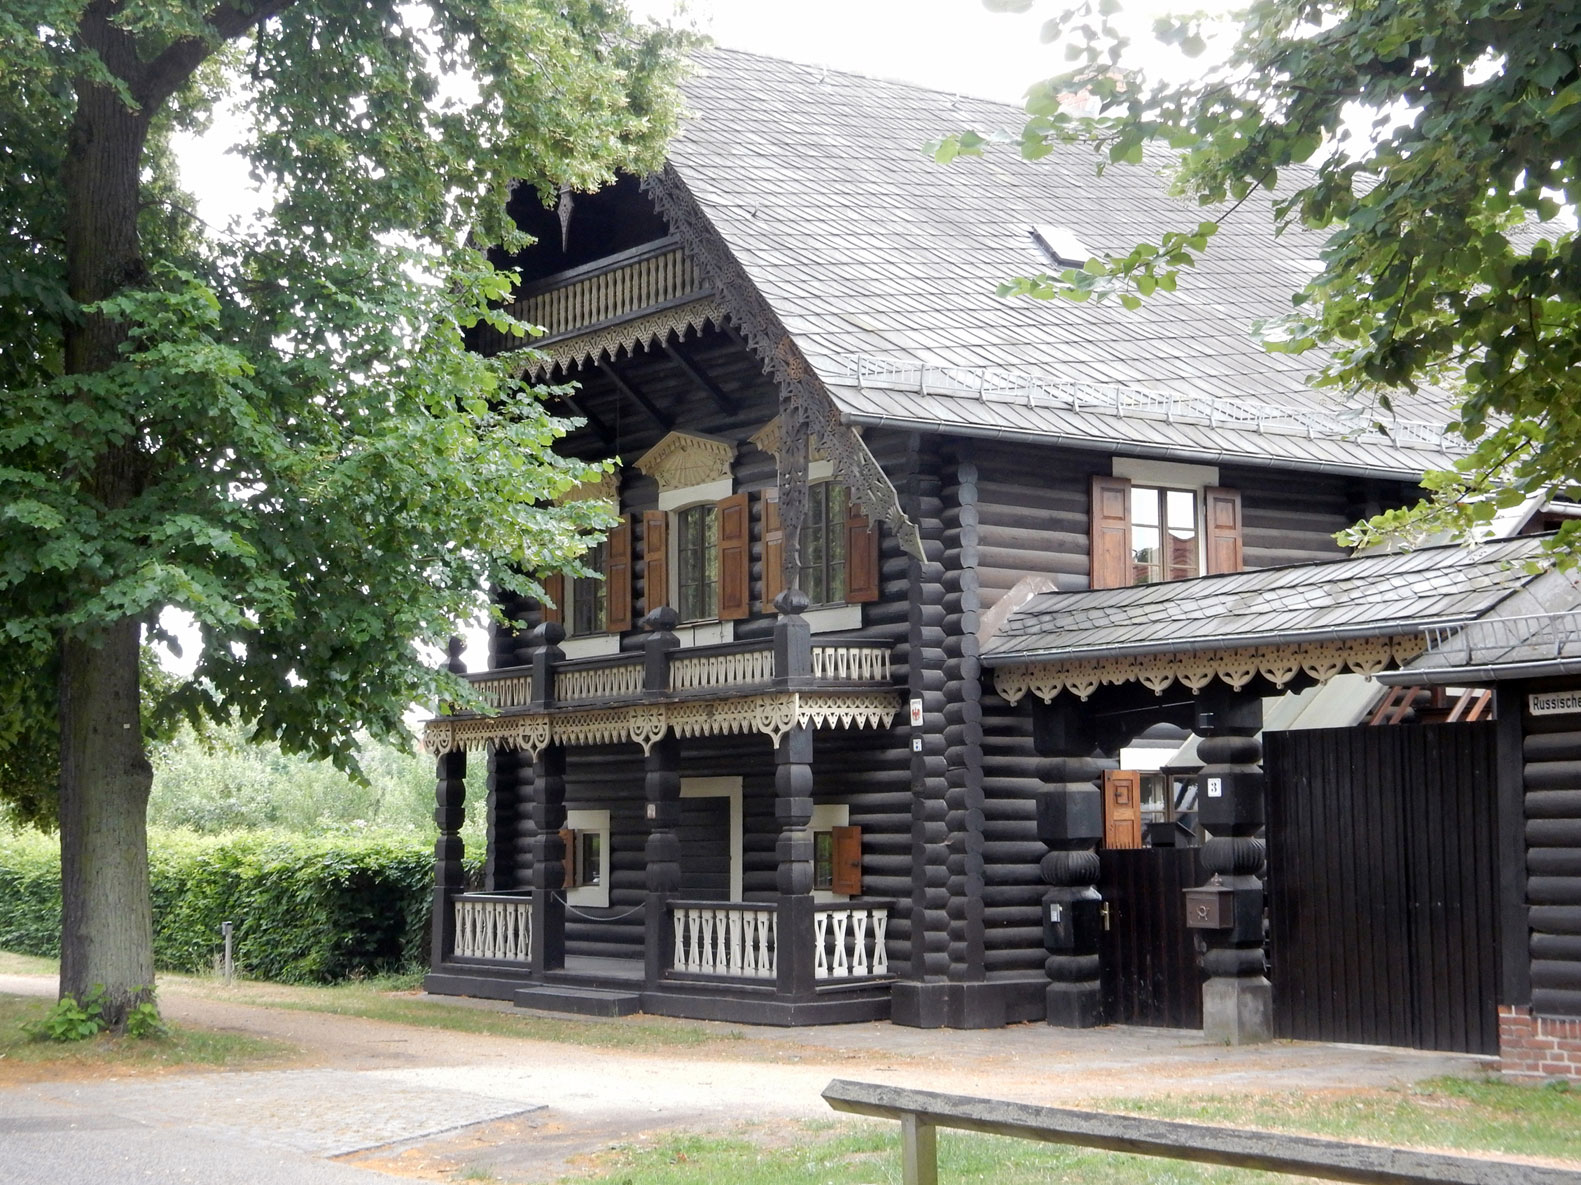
x=374 y=1100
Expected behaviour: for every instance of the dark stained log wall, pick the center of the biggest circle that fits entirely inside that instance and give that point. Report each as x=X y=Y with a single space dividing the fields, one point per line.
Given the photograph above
x=1551 y=751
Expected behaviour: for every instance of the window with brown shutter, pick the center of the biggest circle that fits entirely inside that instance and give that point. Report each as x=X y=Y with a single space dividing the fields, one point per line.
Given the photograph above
x=554 y=598
x=1224 y=529
x=655 y=559
x=568 y=841
x=617 y=577
x=847 y=876
x=735 y=557
x=861 y=556
x=1111 y=533
x=773 y=550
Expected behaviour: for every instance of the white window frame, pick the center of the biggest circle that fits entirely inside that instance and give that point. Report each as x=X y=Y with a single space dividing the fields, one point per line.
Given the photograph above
x=723 y=787
x=596 y=821
x=705 y=630
x=1172 y=475
x=826 y=817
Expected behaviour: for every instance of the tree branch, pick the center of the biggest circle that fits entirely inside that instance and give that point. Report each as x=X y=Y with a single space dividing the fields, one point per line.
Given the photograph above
x=166 y=74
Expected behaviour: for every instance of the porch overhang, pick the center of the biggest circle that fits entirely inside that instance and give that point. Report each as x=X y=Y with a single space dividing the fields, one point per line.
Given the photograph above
x=1368 y=615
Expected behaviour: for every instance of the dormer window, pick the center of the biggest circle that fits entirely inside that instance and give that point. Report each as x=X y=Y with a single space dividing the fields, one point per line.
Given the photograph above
x=1062 y=245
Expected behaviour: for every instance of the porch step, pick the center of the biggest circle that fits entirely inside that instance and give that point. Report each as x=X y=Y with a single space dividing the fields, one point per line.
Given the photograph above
x=583 y=1001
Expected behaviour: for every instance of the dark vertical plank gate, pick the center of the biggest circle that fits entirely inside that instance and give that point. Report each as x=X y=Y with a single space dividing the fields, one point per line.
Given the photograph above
x=1150 y=973
x=1381 y=885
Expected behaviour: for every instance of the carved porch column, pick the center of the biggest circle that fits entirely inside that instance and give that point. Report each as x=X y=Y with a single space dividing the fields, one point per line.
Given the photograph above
x=662 y=808
x=450 y=799
x=1070 y=823
x=1237 y=999
x=793 y=801
x=547 y=814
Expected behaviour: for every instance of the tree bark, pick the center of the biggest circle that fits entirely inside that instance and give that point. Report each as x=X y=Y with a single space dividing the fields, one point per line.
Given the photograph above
x=107 y=938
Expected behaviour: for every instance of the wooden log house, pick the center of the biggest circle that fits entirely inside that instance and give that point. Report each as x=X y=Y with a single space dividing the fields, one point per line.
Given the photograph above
x=815 y=748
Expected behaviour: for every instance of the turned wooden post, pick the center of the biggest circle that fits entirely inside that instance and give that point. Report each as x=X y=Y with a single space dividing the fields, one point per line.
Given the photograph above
x=662 y=807
x=548 y=816
x=450 y=797
x=795 y=956
x=1237 y=999
x=1070 y=824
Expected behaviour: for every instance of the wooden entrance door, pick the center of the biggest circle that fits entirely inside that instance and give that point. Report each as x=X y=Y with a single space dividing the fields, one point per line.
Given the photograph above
x=704 y=836
x=1382 y=885
x=1149 y=970
x=1122 y=809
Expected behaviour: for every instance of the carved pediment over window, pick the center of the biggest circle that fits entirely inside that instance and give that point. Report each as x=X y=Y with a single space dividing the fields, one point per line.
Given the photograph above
x=683 y=459
x=769 y=440
x=603 y=489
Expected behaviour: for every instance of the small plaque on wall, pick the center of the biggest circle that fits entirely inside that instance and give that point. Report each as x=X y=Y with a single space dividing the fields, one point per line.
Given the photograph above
x=1553 y=703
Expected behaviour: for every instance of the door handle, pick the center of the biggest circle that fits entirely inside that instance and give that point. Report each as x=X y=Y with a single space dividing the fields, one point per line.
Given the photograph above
x=1103 y=912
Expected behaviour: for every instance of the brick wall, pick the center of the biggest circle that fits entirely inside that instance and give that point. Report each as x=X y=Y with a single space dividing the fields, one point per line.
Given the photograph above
x=1538 y=1046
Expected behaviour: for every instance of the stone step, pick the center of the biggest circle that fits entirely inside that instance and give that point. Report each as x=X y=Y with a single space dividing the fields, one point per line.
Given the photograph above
x=583 y=1001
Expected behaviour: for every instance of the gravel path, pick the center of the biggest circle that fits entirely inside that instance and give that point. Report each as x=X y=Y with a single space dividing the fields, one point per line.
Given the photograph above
x=367 y=1099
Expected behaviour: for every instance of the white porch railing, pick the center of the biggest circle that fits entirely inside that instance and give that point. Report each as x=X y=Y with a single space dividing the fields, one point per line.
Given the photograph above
x=583 y=684
x=708 y=672
x=729 y=938
x=493 y=926
x=850 y=940
x=860 y=664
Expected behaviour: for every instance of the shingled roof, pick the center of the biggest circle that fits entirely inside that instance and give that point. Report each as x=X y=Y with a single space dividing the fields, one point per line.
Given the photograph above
x=1367 y=596
x=882 y=265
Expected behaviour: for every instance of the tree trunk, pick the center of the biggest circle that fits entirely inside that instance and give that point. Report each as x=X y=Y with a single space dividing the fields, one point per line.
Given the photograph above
x=106 y=920
x=107 y=929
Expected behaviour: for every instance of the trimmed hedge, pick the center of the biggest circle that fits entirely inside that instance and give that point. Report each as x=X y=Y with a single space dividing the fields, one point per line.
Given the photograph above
x=305 y=909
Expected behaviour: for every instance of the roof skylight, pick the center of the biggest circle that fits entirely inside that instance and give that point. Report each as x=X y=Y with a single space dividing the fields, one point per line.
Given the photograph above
x=1062 y=244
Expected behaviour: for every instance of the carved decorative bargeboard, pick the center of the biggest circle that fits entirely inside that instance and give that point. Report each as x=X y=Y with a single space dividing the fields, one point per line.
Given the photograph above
x=648 y=331
x=1236 y=666
x=773 y=714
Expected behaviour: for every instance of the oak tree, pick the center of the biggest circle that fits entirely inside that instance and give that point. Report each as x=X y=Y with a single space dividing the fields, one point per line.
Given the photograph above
x=275 y=427
x=1434 y=144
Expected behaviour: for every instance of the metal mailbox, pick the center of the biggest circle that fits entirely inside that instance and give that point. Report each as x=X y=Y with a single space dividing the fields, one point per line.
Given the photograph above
x=1210 y=908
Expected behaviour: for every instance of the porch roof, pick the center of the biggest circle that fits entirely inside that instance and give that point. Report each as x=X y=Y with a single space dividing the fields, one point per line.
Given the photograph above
x=1373 y=596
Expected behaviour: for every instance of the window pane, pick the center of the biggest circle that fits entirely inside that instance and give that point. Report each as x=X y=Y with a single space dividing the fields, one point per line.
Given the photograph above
x=588 y=596
x=697 y=564
x=1144 y=506
x=822 y=859
x=1145 y=566
x=591 y=858
x=1181 y=509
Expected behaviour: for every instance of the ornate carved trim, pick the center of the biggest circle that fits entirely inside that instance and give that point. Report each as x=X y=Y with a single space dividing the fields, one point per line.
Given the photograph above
x=605 y=489
x=773 y=715
x=1236 y=666
x=643 y=332
x=684 y=459
x=771 y=439
x=803 y=395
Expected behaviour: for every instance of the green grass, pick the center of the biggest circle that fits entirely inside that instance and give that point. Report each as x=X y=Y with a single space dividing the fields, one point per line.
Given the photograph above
x=11 y=964
x=182 y=1047
x=1444 y=1113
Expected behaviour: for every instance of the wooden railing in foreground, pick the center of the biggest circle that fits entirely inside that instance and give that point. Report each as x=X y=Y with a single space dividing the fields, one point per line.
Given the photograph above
x=494 y=926
x=922 y=1112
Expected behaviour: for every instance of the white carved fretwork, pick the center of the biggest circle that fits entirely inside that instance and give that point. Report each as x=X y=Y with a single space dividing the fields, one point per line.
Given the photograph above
x=504 y=691
x=647 y=331
x=729 y=938
x=773 y=714
x=849 y=940
x=855 y=664
x=701 y=672
x=684 y=459
x=1236 y=666
x=605 y=682
x=493 y=926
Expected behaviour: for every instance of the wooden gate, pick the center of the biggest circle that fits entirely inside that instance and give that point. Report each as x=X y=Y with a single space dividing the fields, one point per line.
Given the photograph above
x=1382 y=887
x=1150 y=972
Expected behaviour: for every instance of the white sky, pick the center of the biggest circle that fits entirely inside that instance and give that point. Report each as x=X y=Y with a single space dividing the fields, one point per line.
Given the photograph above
x=952 y=45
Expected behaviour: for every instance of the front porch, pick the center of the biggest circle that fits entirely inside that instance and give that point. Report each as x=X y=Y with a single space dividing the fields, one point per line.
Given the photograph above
x=675 y=940
x=722 y=961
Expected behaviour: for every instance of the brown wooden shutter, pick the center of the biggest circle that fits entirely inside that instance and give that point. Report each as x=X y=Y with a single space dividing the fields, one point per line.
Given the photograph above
x=847 y=861
x=1224 y=529
x=655 y=559
x=554 y=591
x=1122 y=808
x=773 y=550
x=1110 y=547
x=568 y=839
x=861 y=556
x=735 y=557
x=617 y=578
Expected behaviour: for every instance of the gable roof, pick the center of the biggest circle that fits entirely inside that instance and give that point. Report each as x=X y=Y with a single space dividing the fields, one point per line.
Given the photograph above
x=1362 y=597
x=882 y=266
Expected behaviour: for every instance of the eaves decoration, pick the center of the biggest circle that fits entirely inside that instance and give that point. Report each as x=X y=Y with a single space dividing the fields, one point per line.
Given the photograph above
x=684 y=459
x=773 y=714
x=1235 y=666
x=807 y=408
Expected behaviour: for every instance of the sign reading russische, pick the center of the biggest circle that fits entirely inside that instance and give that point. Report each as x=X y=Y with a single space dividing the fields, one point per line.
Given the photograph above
x=1553 y=703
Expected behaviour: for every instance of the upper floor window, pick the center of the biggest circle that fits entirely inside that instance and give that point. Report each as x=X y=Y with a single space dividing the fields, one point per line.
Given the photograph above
x=1143 y=533
x=697 y=562
x=590 y=595
x=1164 y=542
x=823 y=543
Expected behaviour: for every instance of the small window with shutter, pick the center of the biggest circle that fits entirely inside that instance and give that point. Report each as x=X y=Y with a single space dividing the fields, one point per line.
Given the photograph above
x=1148 y=531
